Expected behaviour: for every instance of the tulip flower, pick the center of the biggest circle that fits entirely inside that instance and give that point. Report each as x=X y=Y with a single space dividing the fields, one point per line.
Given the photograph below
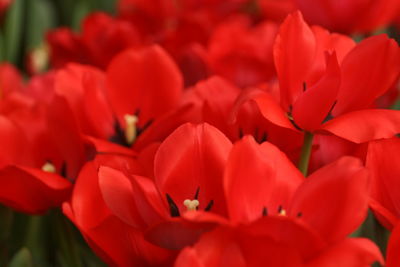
x=332 y=97
x=241 y=53
x=115 y=242
x=339 y=92
x=101 y=39
x=349 y=16
x=204 y=182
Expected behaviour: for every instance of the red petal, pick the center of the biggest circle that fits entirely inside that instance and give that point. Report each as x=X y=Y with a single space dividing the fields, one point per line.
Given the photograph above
x=191 y=158
x=294 y=52
x=66 y=136
x=13 y=142
x=84 y=89
x=384 y=164
x=165 y=125
x=352 y=252
x=291 y=232
x=188 y=257
x=392 y=255
x=258 y=177
x=177 y=233
x=134 y=202
x=368 y=71
x=312 y=107
x=86 y=196
x=145 y=80
x=32 y=191
x=365 y=125
x=334 y=199
x=328 y=42
x=218 y=248
x=272 y=111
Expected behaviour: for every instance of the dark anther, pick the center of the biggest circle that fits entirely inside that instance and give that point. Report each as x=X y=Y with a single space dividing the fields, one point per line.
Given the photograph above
x=329 y=116
x=63 y=171
x=145 y=126
x=173 y=208
x=119 y=136
x=299 y=214
x=280 y=208
x=292 y=120
x=209 y=206
x=264 y=212
x=196 y=195
x=256 y=134
x=304 y=86
x=241 y=134
x=263 y=138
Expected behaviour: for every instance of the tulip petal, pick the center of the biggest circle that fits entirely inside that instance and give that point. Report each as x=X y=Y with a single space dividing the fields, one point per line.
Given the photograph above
x=368 y=71
x=145 y=81
x=31 y=190
x=177 y=234
x=365 y=125
x=193 y=159
x=350 y=252
x=135 y=201
x=384 y=164
x=313 y=106
x=334 y=199
x=117 y=243
x=272 y=111
x=258 y=177
x=294 y=52
x=291 y=232
x=392 y=255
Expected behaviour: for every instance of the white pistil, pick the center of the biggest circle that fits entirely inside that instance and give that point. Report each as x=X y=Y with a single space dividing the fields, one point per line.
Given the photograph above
x=191 y=205
x=282 y=212
x=48 y=167
x=130 y=128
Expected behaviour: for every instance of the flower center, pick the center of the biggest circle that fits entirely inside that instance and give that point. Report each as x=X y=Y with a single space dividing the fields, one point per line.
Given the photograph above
x=130 y=129
x=49 y=167
x=191 y=205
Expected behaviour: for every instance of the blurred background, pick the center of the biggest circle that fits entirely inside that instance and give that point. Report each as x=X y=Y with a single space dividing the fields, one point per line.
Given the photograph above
x=25 y=22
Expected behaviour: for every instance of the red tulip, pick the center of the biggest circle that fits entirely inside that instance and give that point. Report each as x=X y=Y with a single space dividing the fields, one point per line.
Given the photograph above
x=349 y=16
x=242 y=53
x=115 y=242
x=188 y=167
x=197 y=186
x=311 y=94
x=102 y=37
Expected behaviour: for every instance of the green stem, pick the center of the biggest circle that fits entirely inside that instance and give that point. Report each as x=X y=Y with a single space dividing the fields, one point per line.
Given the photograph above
x=68 y=242
x=305 y=153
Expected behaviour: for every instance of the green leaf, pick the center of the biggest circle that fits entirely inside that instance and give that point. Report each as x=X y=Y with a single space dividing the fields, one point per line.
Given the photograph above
x=40 y=18
x=80 y=11
x=22 y=258
x=14 y=30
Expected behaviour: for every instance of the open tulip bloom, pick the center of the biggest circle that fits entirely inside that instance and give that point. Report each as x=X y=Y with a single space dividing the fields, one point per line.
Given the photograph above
x=201 y=133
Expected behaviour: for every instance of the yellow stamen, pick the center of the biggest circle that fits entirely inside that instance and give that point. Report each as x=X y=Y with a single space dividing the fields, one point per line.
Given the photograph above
x=282 y=212
x=40 y=58
x=130 y=128
x=191 y=205
x=48 y=167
